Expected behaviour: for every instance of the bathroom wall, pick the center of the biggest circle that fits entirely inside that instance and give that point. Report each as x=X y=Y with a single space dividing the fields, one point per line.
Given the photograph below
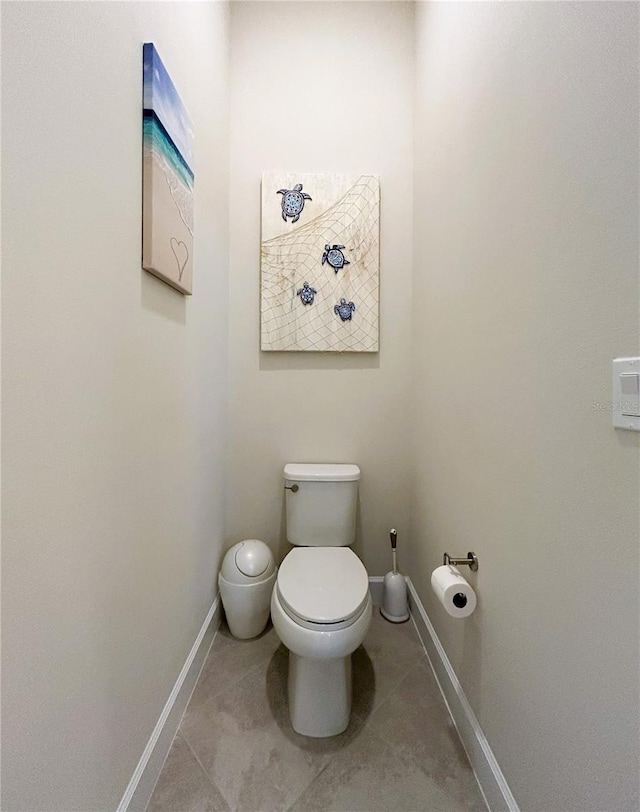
x=478 y=421
x=114 y=394
x=320 y=87
x=525 y=288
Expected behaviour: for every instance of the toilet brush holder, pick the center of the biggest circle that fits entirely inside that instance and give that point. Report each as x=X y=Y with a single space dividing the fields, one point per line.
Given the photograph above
x=395 y=606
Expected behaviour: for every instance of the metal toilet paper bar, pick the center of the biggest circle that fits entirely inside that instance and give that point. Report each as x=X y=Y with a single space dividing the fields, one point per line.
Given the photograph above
x=470 y=561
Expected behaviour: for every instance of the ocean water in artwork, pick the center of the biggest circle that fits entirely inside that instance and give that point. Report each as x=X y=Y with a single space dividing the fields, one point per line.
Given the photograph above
x=168 y=179
x=177 y=172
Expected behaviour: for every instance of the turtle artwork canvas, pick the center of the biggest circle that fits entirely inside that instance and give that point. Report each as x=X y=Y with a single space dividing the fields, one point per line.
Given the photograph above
x=320 y=262
x=167 y=177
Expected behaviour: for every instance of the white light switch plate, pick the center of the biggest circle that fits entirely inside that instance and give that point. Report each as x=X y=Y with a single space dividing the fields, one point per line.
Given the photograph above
x=625 y=393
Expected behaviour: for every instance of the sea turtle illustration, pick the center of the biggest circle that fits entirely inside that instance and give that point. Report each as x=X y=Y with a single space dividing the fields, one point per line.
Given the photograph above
x=344 y=309
x=334 y=256
x=293 y=202
x=306 y=293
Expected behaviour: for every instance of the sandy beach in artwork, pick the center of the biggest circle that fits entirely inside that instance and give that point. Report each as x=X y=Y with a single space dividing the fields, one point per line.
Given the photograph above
x=167 y=240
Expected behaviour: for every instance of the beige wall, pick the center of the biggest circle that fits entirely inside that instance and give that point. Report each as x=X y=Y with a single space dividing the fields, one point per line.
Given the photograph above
x=320 y=87
x=525 y=288
x=114 y=407
x=473 y=425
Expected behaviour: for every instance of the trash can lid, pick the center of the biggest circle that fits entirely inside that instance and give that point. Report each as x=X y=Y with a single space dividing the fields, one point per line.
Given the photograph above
x=253 y=557
x=248 y=562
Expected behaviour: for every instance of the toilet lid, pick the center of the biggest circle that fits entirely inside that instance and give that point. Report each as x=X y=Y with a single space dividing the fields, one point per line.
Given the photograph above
x=323 y=584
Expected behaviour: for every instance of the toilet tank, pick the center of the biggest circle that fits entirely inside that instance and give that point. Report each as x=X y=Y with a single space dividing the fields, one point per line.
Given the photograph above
x=321 y=504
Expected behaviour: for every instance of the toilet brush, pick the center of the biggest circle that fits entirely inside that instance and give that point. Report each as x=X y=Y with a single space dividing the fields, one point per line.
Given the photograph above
x=394 y=601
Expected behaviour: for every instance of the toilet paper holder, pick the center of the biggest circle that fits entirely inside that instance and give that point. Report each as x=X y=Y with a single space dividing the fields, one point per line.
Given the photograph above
x=470 y=561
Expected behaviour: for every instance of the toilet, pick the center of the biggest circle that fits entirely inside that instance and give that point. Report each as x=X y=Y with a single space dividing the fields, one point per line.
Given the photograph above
x=321 y=605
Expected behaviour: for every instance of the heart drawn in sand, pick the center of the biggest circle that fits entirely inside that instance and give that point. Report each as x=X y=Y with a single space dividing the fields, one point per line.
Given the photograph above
x=181 y=253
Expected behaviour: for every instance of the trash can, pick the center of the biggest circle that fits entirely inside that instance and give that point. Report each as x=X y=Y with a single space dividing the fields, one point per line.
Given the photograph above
x=246 y=581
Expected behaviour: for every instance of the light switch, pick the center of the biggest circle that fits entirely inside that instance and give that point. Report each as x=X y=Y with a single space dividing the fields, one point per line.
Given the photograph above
x=625 y=397
x=630 y=391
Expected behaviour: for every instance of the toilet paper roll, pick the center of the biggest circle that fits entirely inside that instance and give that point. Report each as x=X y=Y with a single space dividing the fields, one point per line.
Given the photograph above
x=454 y=593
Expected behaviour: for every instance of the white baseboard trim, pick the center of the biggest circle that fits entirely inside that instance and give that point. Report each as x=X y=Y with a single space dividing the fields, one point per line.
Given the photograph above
x=492 y=782
x=376 y=587
x=144 y=778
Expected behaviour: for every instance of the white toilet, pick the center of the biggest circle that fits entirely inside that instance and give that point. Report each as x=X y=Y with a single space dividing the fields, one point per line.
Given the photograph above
x=321 y=605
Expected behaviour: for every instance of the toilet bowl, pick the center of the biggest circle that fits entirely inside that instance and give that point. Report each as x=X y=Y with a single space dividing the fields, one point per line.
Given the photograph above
x=321 y=609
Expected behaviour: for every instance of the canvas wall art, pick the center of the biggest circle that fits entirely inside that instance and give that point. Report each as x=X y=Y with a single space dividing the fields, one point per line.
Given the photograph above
x=167 y=180
x=320 y=262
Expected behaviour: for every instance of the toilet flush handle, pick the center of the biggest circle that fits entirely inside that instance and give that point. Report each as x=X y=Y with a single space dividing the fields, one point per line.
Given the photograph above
x=292 y=488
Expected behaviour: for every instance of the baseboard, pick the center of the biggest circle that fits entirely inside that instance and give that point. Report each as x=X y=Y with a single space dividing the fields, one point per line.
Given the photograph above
x=492 y=782
x=376 y=587
x=145 y=776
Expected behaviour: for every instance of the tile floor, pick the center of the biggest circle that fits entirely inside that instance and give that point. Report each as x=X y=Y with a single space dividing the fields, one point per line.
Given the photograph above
x=235 y=749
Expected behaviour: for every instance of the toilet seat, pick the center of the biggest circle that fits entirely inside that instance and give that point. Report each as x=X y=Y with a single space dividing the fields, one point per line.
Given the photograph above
x=323 y=588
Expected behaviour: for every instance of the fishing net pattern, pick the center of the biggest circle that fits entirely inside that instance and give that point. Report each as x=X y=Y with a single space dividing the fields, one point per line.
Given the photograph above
x=291 y=259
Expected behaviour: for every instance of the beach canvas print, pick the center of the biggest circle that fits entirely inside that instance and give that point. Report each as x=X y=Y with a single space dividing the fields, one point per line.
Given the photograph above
x=167 y=181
